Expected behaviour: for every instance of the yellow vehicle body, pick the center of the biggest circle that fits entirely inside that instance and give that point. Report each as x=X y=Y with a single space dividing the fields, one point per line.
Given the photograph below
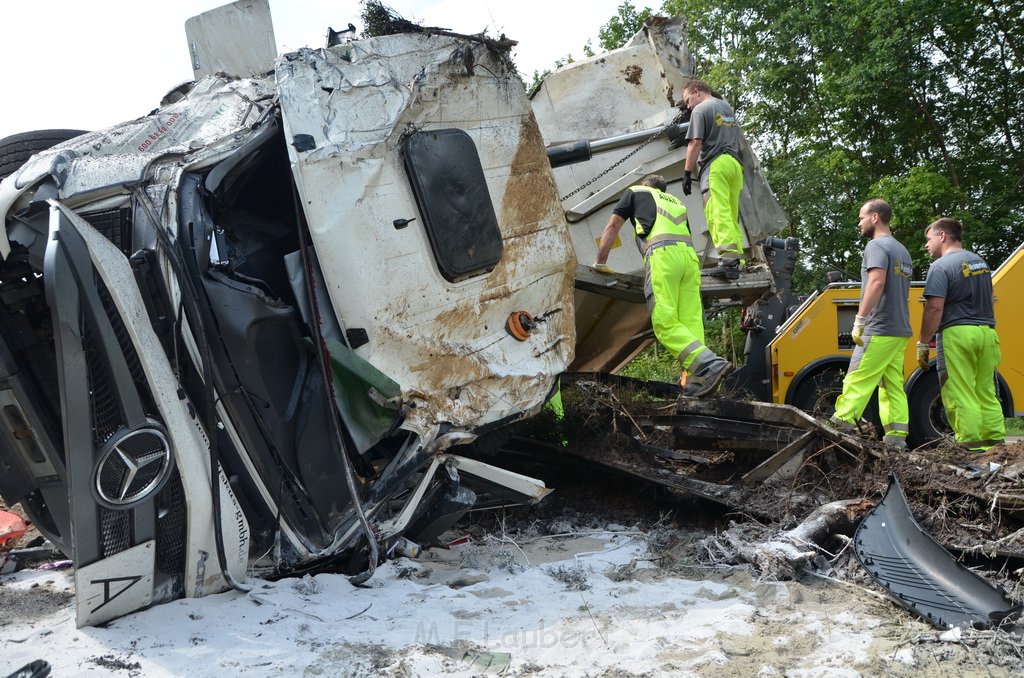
x=811 y=350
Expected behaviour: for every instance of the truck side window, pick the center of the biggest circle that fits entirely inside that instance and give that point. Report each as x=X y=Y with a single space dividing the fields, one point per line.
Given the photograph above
x=451 y=192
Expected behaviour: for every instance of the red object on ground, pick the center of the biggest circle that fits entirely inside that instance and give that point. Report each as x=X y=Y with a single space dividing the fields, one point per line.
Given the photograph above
x=11 y=527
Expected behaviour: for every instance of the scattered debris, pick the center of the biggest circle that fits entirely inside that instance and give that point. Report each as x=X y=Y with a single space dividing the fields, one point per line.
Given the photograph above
x=796 y=490
x=12 y=526
x=36 y=669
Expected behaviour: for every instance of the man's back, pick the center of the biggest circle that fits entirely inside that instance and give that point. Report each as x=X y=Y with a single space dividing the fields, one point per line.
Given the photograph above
x=965 y=281
x=714 y=121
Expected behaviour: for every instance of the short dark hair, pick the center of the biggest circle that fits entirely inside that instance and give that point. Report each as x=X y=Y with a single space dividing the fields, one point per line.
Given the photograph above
x=698 y=85
x=881 y=208
x=951 y=227
x=655 y=181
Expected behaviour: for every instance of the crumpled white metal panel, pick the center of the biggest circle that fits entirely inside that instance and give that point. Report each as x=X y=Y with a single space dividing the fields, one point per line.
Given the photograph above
x=444 y=343
x=214 y=118
x=237 y=39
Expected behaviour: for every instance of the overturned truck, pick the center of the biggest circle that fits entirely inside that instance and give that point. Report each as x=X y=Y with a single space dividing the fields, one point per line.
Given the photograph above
x=244 y=332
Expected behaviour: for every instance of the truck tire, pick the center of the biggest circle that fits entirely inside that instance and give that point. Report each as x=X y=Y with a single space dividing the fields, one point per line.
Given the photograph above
x=817 y=392
x=927 y=415
x=17 y=148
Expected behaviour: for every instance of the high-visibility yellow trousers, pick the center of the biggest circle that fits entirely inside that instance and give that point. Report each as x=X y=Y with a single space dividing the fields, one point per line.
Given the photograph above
x=672 y=287
x=554 y=403
x=721 y=185
x=967 y=358
x=877 y=364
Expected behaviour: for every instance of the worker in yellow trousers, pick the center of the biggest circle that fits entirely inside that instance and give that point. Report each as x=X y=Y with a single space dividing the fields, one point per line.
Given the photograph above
x=881 y=330
x=958 y=307
x=713 y=144
x=672 y=279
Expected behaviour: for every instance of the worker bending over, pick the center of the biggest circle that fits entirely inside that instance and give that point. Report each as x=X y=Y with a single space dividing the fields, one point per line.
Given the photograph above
x=671 y=280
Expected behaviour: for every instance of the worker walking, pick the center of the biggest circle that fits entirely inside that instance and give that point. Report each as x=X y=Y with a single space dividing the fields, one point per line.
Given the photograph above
x=958 y=305
x=671 y=281
x=881 y=330
x=714 y=144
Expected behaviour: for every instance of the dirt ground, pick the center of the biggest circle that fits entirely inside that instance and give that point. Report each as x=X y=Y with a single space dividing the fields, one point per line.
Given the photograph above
x=972 y=504
x=838 y=626
x=682 y=532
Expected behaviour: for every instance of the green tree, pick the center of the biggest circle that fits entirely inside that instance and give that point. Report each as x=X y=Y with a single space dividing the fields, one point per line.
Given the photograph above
x=923 y=194
x=913 y=101
x=621 y=27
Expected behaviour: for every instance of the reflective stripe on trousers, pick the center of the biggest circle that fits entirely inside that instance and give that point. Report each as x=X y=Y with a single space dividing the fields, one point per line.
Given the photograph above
x=672 y=288
x=967 y=358
x=648 y=244
x=877 y=364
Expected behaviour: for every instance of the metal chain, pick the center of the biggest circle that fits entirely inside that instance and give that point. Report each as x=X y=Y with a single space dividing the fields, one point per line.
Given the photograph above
x=615 y=164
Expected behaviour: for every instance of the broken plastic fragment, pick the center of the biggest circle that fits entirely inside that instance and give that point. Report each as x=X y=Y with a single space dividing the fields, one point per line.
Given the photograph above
x=11 y=527
x=922 y=576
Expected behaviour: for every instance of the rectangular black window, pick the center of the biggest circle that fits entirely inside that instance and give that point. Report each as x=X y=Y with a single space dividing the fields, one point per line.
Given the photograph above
x=451 y=191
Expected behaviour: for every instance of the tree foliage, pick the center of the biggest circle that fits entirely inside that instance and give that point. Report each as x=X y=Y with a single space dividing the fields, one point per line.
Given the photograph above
x=914 y=101
x=621 y=27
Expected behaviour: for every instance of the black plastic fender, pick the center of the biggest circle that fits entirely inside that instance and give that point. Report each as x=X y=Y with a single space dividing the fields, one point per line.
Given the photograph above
x=922 y=576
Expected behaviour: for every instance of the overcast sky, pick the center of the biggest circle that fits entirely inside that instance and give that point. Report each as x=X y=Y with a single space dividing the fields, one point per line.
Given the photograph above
x=89 y=64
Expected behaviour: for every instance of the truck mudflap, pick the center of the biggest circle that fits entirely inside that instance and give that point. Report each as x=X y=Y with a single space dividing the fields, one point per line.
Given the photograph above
x=922 y=576
x=720 y=449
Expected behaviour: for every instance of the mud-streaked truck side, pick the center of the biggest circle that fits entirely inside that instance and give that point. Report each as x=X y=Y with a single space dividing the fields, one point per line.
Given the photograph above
x=244 y=332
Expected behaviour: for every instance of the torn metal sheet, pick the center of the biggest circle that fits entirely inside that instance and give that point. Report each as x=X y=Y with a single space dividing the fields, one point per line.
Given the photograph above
x=922 y=576
x=235 y=39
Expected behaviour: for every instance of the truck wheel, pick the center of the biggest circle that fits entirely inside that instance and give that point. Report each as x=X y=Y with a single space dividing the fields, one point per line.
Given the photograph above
x=17 y=148
x=927 y=415
x=818 y=391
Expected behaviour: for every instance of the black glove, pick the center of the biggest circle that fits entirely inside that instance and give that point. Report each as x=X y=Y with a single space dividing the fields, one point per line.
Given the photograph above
x=686 y=183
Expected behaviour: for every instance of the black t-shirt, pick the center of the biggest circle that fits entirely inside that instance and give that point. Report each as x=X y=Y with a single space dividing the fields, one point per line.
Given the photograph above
x=639 y=206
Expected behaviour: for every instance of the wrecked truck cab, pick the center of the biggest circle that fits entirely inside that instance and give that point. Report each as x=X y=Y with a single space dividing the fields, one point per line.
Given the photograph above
x=244 y=332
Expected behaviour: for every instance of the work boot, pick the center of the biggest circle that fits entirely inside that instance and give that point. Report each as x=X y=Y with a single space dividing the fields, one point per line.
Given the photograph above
x=895 y=443
x=728 y=269
x=843 y=425
x=705 y=380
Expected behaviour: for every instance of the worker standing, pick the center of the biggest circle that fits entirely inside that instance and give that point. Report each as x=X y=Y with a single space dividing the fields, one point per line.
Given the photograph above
x=958 y=305
x=881 y=330
x=671 y=280
x=714 y=144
